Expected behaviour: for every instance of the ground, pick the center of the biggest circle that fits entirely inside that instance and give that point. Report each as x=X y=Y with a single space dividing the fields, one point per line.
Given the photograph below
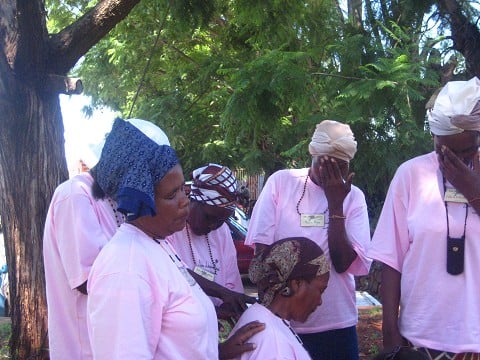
x=369 y=331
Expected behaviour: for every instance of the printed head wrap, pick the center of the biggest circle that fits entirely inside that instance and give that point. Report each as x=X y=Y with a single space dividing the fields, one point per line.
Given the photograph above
x=215 y=185
x=285 y=260
x=132 y=163
x=333 y=139
x=456 y=108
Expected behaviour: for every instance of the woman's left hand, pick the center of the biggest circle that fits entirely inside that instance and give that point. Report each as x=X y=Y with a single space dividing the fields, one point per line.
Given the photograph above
x=463 y=178
x=237 y=344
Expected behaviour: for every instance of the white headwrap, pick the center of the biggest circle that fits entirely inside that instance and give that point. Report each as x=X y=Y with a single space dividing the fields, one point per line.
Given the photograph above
x=453 y=110
x=152 y=131
x=333 y=139
x=92 y=152
x=214 y=185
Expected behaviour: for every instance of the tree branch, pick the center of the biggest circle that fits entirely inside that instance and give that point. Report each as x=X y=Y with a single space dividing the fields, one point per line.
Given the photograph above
x=466 y=36
x=65 y=85
x=69 y=45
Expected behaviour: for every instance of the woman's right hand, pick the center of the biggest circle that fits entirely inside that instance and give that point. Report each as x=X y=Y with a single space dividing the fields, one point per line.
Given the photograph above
x=237 y=344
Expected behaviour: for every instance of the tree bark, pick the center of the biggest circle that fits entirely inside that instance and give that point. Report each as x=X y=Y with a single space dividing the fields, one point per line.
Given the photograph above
x=465 y=34
x=32 y=156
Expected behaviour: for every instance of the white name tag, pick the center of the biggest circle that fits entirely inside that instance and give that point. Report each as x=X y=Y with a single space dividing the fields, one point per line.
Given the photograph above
x=317 y=220
x=205 y=273
x=452 y=195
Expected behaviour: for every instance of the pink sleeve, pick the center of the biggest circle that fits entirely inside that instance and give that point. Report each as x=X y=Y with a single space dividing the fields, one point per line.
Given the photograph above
x=79 y=236
x=261 y=228
x=391 y=239
x=358 y=232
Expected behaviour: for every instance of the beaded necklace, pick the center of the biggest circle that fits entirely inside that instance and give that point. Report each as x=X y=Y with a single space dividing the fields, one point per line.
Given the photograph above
x=287 y=324
x=119 y=217
x=209 y=250
x=176 y=260
x=303 y=194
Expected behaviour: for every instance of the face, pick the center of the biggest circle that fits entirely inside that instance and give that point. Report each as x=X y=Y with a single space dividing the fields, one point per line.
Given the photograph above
x=171 y=205
x=307 y=296
x=205 y=218
x=315 y=172
x=464 y=145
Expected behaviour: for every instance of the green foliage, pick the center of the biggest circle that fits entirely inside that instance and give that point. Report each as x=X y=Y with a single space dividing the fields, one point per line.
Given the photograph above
x=244 y=82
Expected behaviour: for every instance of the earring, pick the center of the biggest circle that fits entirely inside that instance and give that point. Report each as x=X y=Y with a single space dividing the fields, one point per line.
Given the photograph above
x=286 y=291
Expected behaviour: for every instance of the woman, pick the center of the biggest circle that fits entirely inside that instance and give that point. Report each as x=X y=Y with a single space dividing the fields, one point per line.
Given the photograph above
x=77 y=226
x=427 y=236
x=321 y=203
x=205 y=244
x=291 y=276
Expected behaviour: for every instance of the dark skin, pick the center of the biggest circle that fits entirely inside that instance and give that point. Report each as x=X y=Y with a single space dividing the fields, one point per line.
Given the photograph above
x=305 y=297
x=458 y=160
x=333 y=176
x=202 y=220
x=237 y=344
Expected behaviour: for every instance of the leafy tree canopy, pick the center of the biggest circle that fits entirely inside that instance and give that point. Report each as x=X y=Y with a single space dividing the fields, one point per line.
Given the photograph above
x=244 y=82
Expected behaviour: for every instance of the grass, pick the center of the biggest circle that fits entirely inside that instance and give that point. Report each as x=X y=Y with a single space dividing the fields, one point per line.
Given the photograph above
x=5 y=333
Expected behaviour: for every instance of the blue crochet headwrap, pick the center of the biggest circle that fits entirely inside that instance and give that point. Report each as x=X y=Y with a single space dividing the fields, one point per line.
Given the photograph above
x=130 y=166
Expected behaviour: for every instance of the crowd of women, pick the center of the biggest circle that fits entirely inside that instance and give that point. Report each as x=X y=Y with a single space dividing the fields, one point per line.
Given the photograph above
x=135 y=269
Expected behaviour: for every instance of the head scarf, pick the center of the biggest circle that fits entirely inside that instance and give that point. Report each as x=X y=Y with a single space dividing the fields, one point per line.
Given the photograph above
x=284 y=260
x=333 y=139
x=456 y=108
x=131 y=164
x=215 y=185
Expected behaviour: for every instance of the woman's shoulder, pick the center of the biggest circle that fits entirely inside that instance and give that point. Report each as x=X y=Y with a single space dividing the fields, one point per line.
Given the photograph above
x=421 y=161
x=286 y=175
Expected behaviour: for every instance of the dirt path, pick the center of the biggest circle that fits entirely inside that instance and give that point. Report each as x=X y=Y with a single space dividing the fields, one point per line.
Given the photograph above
x=369 y=331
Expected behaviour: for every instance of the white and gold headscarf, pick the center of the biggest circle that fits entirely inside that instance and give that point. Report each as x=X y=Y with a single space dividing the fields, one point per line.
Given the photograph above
x=284 y=260
x=456 y=108
x=334 y=139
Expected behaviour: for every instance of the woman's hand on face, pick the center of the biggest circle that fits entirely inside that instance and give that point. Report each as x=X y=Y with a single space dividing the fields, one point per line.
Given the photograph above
x=335 y=186
x=237 y=344
x=463 y=178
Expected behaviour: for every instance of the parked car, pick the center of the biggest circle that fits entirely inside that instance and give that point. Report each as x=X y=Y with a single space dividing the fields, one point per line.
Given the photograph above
x=244 y=252
x=237 y=224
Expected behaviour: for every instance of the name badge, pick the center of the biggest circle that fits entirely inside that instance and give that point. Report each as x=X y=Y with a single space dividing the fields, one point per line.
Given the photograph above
x=317 y=220
x=205 y=273
x=452 y=195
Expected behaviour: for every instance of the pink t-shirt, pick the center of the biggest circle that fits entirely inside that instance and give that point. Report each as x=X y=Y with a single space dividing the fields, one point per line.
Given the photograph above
x=437 y=310
x=143 y=304
x=76 y=229
x=223 y=253
x=276 y=342
x=275 y=217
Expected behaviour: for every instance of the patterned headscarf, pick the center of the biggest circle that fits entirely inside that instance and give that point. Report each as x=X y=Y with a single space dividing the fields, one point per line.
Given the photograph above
x=284 y=260
x=215 y=185
x=456 y=108
x=131 y=165
x=333 y=139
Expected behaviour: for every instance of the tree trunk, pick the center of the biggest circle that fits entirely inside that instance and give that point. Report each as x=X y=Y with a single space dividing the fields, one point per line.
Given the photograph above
x=32 y=157
x=32 y=163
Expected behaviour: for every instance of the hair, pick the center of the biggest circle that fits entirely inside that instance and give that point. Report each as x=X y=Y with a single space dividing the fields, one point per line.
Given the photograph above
x=97 y=192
